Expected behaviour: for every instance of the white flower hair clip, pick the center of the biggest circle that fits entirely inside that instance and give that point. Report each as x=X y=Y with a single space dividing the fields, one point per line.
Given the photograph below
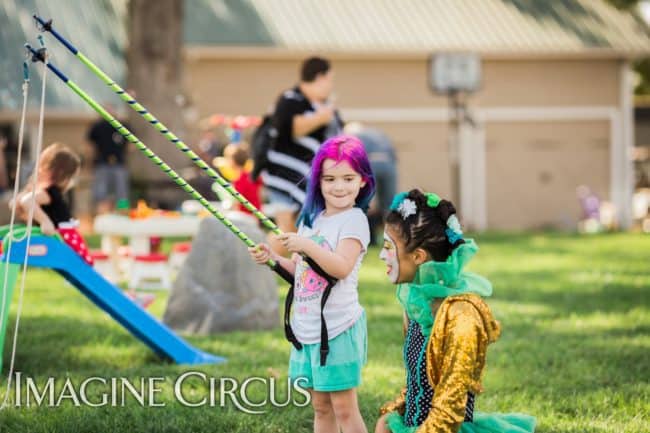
x=407 y=208
x=454 y=224
x=453 y=231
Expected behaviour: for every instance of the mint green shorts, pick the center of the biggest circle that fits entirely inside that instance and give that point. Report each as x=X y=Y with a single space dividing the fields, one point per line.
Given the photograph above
x=348 y=354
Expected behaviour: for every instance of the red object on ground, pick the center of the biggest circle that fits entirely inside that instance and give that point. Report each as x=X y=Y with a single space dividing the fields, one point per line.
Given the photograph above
x=151 y=258
x=182 y=247
x=98 y=255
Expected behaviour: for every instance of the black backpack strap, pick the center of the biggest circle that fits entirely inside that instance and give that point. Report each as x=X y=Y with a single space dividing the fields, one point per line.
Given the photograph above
x=286 y=275
x=288 y=301
x=288 y=332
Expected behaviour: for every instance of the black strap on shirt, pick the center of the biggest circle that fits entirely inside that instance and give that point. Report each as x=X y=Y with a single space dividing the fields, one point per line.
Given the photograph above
x=286 y=275
x=288 y=301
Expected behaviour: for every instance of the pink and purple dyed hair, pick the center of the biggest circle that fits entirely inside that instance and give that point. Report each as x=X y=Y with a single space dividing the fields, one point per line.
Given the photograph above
x=340 y=148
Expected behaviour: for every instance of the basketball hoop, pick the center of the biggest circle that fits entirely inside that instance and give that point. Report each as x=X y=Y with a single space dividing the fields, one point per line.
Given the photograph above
x=454 y=72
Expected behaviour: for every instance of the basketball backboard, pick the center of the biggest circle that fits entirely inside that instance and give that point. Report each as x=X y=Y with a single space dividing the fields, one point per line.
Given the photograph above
x=454 y=72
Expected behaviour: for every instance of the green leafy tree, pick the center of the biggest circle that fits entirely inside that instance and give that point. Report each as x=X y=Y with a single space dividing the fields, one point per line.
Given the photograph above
x=642 y=67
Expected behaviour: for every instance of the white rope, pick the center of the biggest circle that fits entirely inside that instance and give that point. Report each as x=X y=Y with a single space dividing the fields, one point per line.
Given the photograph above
x=39 y=145
x=9 y=234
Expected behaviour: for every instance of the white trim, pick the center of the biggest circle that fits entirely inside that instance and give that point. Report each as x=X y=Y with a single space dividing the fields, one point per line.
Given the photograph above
x=473 y=205
x=493 y=114
x=624 y=180
x=481 y=175
x=372 y=53
x=287 y=161
x=473 y=166
x=615 y=140
x=479 y=170
x=466 y=174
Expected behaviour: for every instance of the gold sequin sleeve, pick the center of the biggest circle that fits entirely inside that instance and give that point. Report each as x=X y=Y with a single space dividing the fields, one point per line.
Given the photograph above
x=454 y=364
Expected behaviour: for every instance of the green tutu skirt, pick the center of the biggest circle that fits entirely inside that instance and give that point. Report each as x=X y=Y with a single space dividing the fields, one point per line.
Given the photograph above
x=483 y=423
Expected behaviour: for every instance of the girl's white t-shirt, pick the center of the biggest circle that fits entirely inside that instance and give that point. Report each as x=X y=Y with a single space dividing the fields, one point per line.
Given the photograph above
x=342 y=308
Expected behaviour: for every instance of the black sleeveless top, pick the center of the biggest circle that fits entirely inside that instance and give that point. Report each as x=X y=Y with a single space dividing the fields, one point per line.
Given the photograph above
x=57 y=209
x=419 y=394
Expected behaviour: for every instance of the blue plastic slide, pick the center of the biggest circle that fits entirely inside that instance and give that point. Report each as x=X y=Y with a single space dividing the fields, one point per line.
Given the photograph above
x=50 y=252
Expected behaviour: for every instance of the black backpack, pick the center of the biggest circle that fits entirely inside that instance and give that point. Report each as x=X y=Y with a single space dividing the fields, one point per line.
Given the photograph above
x=262 y=141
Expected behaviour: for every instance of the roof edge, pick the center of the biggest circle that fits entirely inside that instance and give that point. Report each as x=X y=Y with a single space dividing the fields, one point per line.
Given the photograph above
x=207 y=52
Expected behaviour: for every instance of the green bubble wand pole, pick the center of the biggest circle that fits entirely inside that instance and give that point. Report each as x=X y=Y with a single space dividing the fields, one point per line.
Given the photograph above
x=136 y=106
x=38 y=56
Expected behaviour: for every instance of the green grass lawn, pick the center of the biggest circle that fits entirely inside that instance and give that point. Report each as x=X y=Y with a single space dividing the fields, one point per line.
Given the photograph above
x=575 y=348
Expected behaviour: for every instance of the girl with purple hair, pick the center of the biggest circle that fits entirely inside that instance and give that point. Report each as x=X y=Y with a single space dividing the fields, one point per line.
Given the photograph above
x=328 y=325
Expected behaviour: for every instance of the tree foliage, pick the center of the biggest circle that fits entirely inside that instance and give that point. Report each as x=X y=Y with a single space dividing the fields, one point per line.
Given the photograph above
x=641 y=66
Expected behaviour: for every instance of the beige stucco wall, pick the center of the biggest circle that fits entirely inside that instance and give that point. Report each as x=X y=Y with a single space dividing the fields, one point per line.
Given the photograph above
x=550 y=83
x=527 y=163
x=533 y=170
x=69 y=131
x=422 y=152
x=248 y=86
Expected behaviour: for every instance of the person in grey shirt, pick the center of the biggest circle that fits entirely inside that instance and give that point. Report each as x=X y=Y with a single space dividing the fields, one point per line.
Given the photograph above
x=383 y=162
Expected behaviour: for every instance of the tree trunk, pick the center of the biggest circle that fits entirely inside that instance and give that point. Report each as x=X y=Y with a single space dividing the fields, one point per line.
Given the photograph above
x=155 y=79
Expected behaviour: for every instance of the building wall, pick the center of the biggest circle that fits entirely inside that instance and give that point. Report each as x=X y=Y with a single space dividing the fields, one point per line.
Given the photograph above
x=527 y=163
x=534 y=168
x=243 y=85
x=69 y=131
x=550 y=83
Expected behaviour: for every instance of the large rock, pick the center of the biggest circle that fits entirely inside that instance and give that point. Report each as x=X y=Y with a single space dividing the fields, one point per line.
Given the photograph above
x=219 y=287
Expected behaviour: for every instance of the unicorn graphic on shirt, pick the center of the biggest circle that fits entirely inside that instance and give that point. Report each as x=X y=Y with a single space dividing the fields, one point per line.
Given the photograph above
x=310 y=282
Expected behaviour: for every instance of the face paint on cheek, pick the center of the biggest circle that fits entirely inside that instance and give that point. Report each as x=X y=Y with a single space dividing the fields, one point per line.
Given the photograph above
x=389 y=255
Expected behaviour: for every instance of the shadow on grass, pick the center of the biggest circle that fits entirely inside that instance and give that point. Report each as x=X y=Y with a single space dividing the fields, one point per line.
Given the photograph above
x=564 y=296
x=53 y=345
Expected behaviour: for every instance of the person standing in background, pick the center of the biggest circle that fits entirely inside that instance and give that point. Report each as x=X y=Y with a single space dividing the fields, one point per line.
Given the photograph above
x=383 y=161
x=304 y=117
x=107 y=150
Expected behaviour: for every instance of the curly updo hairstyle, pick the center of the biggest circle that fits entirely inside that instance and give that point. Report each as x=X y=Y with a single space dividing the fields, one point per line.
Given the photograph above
x=426 y=228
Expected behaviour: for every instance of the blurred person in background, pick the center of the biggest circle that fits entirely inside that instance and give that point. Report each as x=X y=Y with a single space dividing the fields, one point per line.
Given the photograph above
x=304 y=117
x=107 y=149
x=383 y=162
